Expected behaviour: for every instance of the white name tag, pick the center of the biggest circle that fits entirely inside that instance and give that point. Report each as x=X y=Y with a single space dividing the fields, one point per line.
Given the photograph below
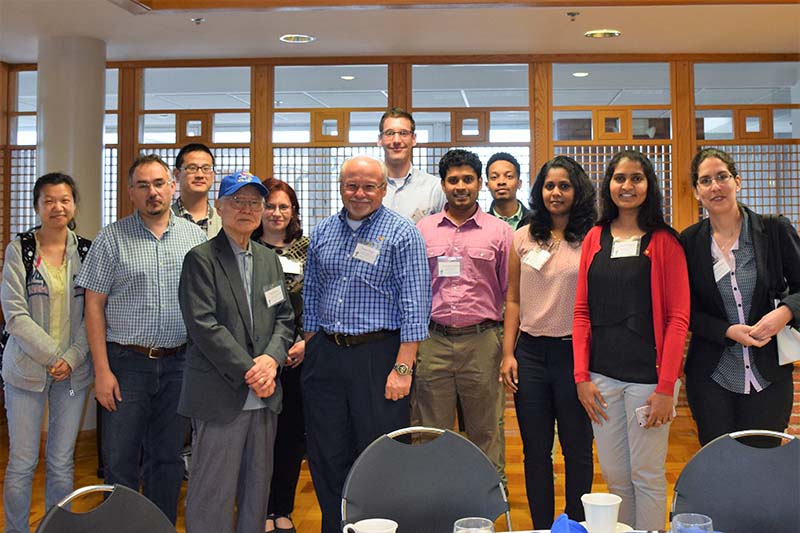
x=368 y=254
x=721 y=269
x=274 y=296
x=449 y=267
x=626 y=248
x=289 y=266
x=417 y=215
x=537 y=258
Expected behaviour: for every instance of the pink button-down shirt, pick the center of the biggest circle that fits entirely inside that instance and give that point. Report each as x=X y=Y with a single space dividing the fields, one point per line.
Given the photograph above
x=481 y=245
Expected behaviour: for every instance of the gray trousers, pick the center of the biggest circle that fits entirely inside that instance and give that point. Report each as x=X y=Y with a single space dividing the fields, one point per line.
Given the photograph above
x=231 y=468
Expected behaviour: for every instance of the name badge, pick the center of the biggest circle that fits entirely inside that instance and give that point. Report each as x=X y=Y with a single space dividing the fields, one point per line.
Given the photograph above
x=417 y=215
x=365 y=252
x=449 y=267
x=536 y=258
x=274 y=296
x=721 y=269
x=626 y=248
x=289 y=266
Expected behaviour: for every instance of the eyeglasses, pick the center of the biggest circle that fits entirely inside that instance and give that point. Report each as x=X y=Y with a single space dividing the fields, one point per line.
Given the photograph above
x=404 y=134
x=147 y=185
x=194 y=169
x=283 y=208
x=246 y=203
x=368 y=188
x=721 y=178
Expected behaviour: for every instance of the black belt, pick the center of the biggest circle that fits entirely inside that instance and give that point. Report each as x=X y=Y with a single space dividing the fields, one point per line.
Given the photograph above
x=154 y=353
x=342 y=339
x=468 y=330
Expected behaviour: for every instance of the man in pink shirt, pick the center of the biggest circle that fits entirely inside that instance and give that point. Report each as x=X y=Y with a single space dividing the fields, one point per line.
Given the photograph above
x=468 y=259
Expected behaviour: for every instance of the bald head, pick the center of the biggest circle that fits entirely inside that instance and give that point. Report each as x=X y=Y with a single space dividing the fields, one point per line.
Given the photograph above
x=362 y=184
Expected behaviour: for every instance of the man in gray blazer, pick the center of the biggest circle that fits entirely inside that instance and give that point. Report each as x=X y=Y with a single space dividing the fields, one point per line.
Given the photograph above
x=240 y=325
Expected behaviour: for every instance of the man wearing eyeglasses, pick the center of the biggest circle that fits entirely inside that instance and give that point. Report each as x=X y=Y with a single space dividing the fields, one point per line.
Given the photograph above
x=410 y=192
x=367 y=300
x=194 y=172
x=240 y=325
x=137 y=337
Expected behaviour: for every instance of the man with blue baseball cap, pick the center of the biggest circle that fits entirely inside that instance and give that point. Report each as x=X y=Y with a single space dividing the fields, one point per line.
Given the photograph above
x=240 y=325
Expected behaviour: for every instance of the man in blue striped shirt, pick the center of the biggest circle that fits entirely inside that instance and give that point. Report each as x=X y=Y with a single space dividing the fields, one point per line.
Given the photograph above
x=137 y=336
x=367 y=301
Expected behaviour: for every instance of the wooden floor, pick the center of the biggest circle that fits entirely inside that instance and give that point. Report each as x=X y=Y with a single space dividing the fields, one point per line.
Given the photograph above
x=683 y=444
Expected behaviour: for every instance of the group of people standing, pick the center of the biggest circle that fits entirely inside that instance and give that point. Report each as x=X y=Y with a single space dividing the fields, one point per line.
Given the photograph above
x=407 y=305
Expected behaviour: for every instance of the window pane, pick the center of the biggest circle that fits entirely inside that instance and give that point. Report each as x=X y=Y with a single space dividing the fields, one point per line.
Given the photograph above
x=747 y=83
x=432 y=127
x=197 y=88
x=509 y=126
x=786 y=123
x=714 y=124
x=364 y=126
x=112 y=89
x=652 y=124
x=26 y=90
x=611 y=84
x=158 y=129
x=572 y=125
x=291 y=128
x=323 y=86
x=470 y=85
x=23 y=130
x=231 y=128
x=110 y=129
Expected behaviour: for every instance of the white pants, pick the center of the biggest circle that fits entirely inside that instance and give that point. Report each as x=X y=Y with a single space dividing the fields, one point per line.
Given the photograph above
x=632 y=458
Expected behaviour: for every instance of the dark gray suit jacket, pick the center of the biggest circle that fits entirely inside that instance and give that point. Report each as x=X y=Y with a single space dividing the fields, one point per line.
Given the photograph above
x=222 y=343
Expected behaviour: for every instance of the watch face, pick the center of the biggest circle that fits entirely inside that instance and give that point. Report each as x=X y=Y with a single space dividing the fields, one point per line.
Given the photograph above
x=402 y=369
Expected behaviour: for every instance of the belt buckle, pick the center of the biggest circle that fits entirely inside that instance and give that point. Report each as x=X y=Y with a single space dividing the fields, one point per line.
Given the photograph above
x=151 y=351
x=339 y=339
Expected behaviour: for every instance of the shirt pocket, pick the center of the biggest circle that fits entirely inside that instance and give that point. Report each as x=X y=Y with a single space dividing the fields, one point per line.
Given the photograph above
x=482 y=262
x=434 y=253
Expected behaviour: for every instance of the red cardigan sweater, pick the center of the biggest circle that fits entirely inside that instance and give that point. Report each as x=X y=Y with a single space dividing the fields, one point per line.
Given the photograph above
x=669 y=283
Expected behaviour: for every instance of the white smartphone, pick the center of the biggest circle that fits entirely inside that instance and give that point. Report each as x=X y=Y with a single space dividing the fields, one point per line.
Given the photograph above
x=643 y=413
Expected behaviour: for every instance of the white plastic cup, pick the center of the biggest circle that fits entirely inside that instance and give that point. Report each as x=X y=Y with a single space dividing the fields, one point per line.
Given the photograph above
x=372 y=525
x=602 y=510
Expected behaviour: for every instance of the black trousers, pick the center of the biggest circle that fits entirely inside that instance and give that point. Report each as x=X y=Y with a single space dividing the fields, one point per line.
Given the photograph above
x=547 y=394
x=290 y=445
x=718 y=411
x=345 y=410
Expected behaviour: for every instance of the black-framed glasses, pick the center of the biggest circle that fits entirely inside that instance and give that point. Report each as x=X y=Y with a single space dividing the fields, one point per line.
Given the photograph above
x=706 y=181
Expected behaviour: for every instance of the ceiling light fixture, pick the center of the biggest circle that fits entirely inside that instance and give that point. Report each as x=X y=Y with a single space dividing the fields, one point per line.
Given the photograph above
x=580 y=74
x=297 y=38
x=347 y=77
x=198 y=20
x=604 y=33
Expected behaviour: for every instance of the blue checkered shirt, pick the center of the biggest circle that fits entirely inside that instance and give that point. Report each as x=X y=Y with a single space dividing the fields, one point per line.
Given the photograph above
x=342 y=294
x=140 y=275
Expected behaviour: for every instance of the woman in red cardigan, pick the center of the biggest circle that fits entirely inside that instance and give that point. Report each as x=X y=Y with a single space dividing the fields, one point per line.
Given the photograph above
x=631 y=318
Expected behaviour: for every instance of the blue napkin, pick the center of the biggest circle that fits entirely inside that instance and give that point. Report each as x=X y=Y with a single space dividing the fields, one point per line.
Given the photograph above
x=564 y=525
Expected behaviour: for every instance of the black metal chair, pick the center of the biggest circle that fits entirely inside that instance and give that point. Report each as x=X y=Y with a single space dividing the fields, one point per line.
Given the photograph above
x=742 y=488
x=123 y=511
x=423 y=487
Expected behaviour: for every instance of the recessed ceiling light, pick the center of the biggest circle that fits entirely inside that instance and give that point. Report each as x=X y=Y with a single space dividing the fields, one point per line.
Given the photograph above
x=347 y=77
x=604 y=33
x=580 y=74
x=198 y=20
x=297 y=38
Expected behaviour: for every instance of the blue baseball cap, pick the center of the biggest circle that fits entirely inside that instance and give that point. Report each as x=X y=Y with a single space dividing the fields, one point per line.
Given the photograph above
x=230 y=184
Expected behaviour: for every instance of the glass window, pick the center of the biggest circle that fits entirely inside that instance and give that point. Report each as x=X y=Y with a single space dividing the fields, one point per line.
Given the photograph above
x=786 y=123
x=231 y=128
x=509 y=126
x=715 y=124
x=652 y=124
x=331 y=86
x=572 y=125
x=197 y=88
x=23 y=130
x=158 y=129
x=26 y=91
x=611 y=84
x=747 y=83
x=111 y=129
x=433 y=127
x=291 y=128
x=112 y=89
x=364 y=126
x=470 y=86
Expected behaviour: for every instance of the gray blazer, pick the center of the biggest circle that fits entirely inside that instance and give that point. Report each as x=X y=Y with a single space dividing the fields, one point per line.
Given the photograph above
x=221 y=343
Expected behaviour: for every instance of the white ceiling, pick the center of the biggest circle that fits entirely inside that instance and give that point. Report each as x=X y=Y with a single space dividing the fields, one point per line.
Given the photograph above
x=433 y=31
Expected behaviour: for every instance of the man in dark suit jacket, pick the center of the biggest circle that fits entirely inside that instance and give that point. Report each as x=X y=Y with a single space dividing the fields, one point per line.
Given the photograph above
x=240 y=325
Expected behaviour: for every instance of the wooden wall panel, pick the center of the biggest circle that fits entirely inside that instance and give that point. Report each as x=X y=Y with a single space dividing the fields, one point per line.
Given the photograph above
x=261 y=107
x=131 y=98
x=684 y=204
x=541 y=98
x=400 y=85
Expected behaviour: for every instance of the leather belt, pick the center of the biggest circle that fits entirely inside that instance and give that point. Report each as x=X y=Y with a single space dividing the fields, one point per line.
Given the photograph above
x=450 y=331
x=342 y=339
x=154 y=353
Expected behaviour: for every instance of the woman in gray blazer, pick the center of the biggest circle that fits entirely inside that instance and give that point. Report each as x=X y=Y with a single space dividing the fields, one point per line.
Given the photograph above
x=46 y=357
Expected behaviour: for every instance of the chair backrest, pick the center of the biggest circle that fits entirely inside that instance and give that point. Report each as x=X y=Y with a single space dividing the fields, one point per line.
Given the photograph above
x=124 y=511
x=743 y=489
x=424 y=487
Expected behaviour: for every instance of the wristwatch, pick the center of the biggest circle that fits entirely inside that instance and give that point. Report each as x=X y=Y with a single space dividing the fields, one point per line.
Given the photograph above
x=402 y=369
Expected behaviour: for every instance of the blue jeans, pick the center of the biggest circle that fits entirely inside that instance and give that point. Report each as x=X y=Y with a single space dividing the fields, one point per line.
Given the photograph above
x=25 y=410
x=146 y=420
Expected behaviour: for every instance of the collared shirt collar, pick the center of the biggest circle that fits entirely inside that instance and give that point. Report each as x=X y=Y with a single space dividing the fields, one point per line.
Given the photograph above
x=476 y=218
x=238 y=249
x=342 y=214
x=513 y=220
x=139 y=220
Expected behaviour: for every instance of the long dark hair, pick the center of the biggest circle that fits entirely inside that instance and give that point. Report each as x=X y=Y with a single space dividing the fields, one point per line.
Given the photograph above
x=582 y=214
x=56 y=178
x=651 y=212
x=295 y=228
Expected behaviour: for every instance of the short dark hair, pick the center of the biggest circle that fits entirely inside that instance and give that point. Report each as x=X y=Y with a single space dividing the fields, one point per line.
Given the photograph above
x=295 y=228
x=503 y=156
x=397 y=112
x=192 y=147
x=55 y=178
x=146 y=160
x=651 y=212
x=708 y=153
x=459 y=158
x=583 y=212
